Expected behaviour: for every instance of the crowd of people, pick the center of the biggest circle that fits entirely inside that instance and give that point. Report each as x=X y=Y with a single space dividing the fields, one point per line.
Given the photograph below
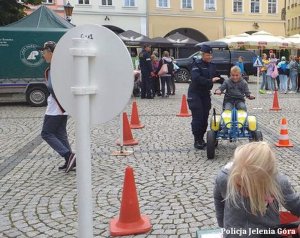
x=281 y=75
x=157 y=75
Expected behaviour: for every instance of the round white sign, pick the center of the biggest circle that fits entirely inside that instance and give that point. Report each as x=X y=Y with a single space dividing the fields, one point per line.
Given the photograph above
x=110 y=72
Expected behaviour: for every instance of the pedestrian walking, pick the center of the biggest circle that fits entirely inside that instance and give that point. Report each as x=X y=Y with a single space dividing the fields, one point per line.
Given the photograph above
x=172 y=84
x=147 y=73
x=272 y=73
x=283 y=75
x=54 y=130
x=263 y=71
x=134 y=59
x=165 y=79
x=203 y=76
x=155 y=78
x=293 y=68
x=240 y=64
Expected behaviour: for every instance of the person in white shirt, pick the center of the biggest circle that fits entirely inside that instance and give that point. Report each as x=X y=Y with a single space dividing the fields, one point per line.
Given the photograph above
x=54 y=130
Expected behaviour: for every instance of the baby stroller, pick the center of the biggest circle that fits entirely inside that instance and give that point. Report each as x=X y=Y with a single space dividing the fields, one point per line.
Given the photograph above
x=137 y=84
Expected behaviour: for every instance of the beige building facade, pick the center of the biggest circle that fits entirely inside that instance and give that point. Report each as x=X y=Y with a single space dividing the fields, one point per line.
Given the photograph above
x=213 y=19
x=292 y=17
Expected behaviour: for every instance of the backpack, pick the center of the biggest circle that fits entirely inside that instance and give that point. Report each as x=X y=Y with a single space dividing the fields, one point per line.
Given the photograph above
x=170 y=66
x=284 y=69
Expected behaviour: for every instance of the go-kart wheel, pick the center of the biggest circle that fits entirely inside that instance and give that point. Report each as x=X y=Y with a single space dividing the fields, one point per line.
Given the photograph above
x=257 y=136
x=211 y=144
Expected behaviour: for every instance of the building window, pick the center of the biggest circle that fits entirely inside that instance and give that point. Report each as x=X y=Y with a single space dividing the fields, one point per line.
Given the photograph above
x=288 y=25
x=292 y=26
x=255 y=5
x=83 y=1
x=237 y=5
x=272 y=6
x=106 y=2
x=210 y=5
x=129 y=3
x=163 y=3
x=187 y=4
x=48 y=1
x=298 y=22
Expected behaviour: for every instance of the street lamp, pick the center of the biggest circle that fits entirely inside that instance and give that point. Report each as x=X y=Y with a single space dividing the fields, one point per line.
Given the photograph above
x=68 y=11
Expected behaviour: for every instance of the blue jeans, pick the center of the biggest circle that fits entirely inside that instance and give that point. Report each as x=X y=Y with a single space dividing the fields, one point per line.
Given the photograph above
x=263 y=84
x=238 y=105
x=283 y=82
x=54 y=132
x=293 y=78
x=271 y=83
x=165 y=80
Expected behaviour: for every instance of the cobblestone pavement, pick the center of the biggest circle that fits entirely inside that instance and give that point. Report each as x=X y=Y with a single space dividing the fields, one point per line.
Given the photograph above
x=174 y=181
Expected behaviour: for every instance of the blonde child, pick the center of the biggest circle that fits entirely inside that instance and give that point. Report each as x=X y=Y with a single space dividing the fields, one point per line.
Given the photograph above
x=249 y=190
x=236 y=90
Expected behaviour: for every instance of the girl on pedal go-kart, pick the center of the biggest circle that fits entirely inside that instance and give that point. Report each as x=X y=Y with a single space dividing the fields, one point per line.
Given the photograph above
x=236 y=89
x=248 y=192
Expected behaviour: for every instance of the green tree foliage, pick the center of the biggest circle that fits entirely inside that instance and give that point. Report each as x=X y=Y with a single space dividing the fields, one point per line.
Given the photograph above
x=11 y=10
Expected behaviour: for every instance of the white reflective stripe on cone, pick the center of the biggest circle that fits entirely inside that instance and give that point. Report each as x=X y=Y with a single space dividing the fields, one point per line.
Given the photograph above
x=283 y=137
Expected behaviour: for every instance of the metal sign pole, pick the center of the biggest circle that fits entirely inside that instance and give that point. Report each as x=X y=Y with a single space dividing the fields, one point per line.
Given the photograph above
x=91 y=81
x=257 y=88
x=121 y=133
x=82 y=92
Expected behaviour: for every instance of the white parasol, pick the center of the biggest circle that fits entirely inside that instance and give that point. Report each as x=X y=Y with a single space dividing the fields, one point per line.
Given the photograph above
x=239 y=41
x=265 y=40
x=295 y=40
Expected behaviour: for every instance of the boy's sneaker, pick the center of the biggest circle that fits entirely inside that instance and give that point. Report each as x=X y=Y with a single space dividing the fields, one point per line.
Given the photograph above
x=71 y=163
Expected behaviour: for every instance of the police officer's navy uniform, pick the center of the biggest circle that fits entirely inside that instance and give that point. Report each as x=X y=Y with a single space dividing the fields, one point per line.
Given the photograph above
x=146 y=69
x=199 y=96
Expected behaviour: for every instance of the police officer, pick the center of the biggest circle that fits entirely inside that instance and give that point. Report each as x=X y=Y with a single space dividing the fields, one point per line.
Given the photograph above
x=147 y=72
x=203 y=76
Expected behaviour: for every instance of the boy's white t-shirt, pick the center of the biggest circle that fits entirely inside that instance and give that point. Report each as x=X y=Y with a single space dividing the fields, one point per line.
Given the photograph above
x=53 y=108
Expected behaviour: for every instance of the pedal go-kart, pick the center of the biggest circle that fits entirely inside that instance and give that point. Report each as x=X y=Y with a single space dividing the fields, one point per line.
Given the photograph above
x=288 y=228
x=232 y=126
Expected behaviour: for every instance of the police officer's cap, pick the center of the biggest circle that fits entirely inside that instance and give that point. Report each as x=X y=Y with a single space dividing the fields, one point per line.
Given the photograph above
x=206 y=49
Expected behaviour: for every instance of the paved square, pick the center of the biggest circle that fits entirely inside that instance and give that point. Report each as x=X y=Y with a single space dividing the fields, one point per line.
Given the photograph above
x=174 y=181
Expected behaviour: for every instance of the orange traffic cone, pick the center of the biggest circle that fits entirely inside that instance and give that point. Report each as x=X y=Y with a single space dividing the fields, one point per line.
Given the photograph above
x=284 y=137
x=275 y=102
x=184 y=108
x=130 y=221
x=135 y=120
x=127 y=135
